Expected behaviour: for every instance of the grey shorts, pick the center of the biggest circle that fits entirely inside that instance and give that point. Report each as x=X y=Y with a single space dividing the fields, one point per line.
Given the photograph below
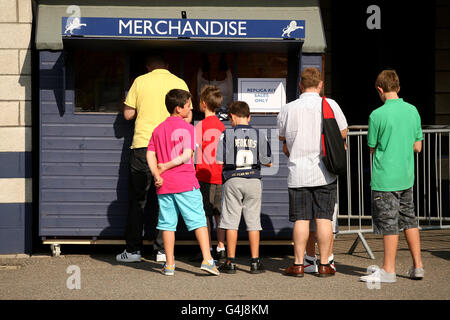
x=212 y=198
x=241 y=196
x=393 y=211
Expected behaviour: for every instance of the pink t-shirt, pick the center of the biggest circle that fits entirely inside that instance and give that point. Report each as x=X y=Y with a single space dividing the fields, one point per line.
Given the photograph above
x=168 y=141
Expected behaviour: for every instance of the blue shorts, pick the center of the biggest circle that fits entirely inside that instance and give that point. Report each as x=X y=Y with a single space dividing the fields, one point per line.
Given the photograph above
x=189 y=204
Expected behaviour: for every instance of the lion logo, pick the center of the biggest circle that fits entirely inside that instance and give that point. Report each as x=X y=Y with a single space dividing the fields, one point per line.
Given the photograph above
x=72 y=24
x=290 y=28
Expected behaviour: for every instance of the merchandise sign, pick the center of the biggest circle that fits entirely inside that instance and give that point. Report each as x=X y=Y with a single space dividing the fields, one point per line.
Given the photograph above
x=182 y=28
x=262 y=94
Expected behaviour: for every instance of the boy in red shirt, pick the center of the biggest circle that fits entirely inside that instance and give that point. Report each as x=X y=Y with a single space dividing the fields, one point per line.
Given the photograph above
x=208 y=172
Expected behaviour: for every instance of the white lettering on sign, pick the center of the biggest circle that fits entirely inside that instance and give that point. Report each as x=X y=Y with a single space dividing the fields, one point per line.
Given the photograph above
x=242 y=28
x=129 y=24
x=175 y=27
x=157 y=27
x=199 y=26
x=233 y=30
x=216 y=28
x=188 y=28
x=183 y=28
x=148 y=27
x=138 y=26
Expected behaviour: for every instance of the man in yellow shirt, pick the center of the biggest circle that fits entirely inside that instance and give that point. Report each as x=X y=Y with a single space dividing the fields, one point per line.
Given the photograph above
x=145 y=102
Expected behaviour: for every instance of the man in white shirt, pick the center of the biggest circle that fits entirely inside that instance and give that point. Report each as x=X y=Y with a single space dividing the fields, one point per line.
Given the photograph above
x=312 y=188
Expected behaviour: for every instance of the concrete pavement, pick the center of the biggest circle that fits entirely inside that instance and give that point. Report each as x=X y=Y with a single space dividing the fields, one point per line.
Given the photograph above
x=44 y=277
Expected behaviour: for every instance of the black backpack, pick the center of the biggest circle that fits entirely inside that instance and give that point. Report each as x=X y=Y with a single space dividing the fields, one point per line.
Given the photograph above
x=334 y=153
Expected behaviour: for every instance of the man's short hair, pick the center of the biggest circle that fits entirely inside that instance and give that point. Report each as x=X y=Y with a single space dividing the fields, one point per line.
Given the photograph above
x=310 y=78
x=388 y=81
x=176 y=98
x=156 y=62
x=212 y=96
x=240 y=109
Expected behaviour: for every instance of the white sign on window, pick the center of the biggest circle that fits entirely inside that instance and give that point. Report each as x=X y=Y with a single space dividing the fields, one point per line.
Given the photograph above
x=262 y=94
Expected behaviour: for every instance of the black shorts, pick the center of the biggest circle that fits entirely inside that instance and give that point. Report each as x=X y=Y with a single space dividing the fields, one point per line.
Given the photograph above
x=310 y=203
x=212 y=198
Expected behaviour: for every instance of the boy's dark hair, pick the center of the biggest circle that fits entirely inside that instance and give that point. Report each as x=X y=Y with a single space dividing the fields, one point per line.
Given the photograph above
x=388 y=81
x=212 y=96
x=240 y=109
x=176 y=98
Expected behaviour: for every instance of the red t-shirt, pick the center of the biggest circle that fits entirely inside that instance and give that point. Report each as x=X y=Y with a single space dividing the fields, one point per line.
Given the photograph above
x=207 y=134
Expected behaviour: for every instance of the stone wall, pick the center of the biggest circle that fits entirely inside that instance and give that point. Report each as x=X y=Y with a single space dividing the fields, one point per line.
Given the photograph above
x=16 y=19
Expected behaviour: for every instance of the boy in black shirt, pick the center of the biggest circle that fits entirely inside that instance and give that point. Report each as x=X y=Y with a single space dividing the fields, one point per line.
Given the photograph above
x=242 y=150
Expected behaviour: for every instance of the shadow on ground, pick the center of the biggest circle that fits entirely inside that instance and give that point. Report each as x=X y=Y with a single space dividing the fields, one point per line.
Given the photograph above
x=441 y=254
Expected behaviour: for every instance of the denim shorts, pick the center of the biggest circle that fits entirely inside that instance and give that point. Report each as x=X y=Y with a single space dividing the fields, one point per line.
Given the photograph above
x=189 y=204
x=309 y=203
x=393 y=211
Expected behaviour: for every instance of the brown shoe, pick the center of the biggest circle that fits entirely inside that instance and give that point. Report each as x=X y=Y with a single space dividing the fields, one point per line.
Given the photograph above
x=325 y=270
x=295 y=271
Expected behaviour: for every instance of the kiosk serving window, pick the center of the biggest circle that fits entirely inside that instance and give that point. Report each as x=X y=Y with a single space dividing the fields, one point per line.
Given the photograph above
x=100 y=80
x=262 y=65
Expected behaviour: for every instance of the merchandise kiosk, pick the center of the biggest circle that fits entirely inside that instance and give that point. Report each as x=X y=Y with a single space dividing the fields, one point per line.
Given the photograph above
x=89 y=55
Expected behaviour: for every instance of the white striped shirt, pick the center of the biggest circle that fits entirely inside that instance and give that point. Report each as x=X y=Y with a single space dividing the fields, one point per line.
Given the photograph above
x=300 y=122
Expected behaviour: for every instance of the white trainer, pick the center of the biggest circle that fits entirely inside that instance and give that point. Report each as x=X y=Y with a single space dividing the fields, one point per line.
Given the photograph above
x=416 y=273
x=310 y=264
x=379 y=275
x=331 y=262
x=160 y=256
x=129 y=256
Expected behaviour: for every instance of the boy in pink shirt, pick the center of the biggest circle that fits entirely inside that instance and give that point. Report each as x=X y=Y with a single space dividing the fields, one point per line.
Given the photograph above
x=169 y=156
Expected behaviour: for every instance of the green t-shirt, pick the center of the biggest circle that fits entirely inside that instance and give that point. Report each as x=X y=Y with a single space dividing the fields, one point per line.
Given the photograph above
x=393 y=129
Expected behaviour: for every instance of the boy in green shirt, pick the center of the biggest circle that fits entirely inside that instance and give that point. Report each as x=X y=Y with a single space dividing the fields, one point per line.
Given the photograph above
x=394 y=135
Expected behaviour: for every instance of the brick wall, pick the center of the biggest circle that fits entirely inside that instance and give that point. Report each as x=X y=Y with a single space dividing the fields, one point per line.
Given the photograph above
x=15 y=125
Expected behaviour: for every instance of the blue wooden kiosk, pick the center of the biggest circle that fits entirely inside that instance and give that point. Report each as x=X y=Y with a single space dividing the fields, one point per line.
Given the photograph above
x=88 y=56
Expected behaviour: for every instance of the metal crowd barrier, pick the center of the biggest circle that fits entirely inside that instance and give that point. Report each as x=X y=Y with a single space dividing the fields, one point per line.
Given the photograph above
x=431 y=187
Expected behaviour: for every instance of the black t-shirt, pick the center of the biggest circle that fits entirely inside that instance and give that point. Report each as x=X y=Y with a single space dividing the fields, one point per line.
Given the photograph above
x=242 y=149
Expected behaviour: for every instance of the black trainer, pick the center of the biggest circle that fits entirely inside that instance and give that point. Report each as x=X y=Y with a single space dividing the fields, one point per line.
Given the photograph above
x=228 y=267
x=220 y=255
x=257 y=267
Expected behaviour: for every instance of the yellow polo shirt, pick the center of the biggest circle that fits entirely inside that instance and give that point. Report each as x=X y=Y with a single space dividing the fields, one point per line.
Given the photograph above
x=147 y=95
